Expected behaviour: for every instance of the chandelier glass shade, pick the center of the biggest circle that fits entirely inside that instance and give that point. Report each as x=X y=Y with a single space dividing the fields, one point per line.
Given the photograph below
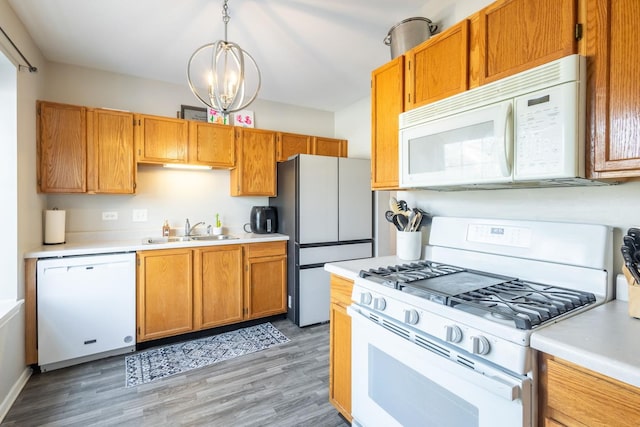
x=222 y=75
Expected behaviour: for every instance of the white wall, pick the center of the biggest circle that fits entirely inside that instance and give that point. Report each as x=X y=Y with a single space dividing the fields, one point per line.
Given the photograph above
x=13 y=373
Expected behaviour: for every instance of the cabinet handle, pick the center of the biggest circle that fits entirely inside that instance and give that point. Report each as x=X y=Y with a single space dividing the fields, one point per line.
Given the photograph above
x=578 y=31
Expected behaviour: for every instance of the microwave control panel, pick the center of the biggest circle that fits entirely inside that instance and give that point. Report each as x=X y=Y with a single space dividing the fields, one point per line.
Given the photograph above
x=546 y=133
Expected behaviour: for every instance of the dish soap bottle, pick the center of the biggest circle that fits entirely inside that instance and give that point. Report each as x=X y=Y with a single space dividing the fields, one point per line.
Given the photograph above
x=166 y=229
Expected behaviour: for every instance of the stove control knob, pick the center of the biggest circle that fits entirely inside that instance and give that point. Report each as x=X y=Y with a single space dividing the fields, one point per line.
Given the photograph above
x=365 y=298
x=480 y=345
x=379 y=303
x=411 y=317
x=453 y=333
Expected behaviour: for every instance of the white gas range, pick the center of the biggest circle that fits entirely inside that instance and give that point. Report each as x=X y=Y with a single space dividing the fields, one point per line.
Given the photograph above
x=451 y=333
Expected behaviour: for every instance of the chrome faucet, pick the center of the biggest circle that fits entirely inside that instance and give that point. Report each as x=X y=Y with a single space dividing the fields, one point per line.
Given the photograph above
x=188 y=229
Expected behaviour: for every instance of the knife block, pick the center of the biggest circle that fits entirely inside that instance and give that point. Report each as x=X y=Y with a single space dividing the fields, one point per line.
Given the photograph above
x=634 y=293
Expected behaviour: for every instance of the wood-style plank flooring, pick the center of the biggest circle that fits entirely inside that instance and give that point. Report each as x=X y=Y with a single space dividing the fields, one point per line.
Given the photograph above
x=286 y=385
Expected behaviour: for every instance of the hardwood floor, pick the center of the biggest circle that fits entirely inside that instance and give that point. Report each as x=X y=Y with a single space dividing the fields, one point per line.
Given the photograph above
x=286 y=385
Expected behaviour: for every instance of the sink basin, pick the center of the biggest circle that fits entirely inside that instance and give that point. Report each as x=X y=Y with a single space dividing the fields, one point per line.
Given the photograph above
x=157 y=240
x=212 y=237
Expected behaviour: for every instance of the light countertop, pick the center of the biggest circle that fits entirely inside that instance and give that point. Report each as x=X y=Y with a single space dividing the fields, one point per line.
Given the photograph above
x=350 y=269
x=604 y=339
x=103 y=247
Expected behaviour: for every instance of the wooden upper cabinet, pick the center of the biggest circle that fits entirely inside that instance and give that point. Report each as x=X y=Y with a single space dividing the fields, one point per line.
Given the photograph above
x=329 y=146
x=387 y=102
x=516 y=35
x=613 y=91
x=61 y=148
x=438 y=67
x=161 y=139
x=110 y=152
x=211 y=144
x=255 y=171
x=290 y=144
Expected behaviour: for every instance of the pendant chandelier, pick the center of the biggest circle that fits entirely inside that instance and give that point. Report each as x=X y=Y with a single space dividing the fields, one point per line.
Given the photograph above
x=220 y=67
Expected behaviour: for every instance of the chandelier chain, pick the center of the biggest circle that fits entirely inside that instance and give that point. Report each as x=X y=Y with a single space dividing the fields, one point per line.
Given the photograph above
x=225 y=18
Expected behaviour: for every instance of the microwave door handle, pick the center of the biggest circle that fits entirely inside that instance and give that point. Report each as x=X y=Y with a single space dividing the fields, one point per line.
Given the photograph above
x=505 y=166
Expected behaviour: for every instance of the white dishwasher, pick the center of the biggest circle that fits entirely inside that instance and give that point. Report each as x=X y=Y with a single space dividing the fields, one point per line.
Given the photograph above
x=86 y=308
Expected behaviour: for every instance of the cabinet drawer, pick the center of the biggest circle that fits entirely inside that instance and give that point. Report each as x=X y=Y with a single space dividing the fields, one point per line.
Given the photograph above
x=266 y=249
x=341 y=289
x=588 y=397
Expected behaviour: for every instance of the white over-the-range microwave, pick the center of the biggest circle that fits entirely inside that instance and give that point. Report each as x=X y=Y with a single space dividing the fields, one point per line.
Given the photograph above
x=526 y=130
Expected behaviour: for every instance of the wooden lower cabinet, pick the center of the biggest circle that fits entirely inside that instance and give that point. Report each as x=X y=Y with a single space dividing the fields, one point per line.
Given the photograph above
x=217 y=277
x=266 y=279
x=340 y=346
x=164 y=293
x=189 y=289
x=570 y=395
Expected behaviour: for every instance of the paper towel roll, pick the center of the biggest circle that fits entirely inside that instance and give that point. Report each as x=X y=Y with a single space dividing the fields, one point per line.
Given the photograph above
x=54 y=223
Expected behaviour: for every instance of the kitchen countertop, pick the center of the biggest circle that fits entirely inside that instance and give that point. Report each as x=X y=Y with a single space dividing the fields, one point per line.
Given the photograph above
x=604 y=339
x=350 y=269
x=103 y=247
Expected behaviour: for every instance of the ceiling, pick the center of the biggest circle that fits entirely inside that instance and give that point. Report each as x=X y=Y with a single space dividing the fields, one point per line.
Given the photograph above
x=311 y=53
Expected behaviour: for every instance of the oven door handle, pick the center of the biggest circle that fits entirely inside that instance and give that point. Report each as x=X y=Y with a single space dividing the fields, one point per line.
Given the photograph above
x=491 y=380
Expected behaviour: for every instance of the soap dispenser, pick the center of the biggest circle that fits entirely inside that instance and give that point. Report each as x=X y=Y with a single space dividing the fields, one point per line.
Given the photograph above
x=166 y=229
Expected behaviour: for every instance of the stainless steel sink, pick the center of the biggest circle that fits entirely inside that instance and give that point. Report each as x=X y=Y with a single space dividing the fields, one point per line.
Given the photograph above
x=212 y=237
x=197 y=238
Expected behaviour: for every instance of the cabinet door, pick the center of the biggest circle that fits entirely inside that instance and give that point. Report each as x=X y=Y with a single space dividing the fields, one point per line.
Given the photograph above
x=265 y=280
x=387 y=102
x=211 y=144
x=290 y=144
x=61 y=148
x=613 y=94
x=439 y=67
x=575 y=396
x=218 y=286
x=161 y=139
x=329 y=147
x=266 y=286
x=165 y=293
x=110 y=152
x=520 y=34
x=255 y=171
x=340 y=346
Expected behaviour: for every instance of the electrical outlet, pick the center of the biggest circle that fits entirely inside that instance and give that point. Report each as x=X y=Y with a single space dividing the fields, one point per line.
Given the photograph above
x=139 y=215
x=109 y=216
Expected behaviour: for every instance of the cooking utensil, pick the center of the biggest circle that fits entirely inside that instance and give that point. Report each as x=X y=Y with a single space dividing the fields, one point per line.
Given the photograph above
x=415 y=224
x=394 y=205
x=389 y=216
x=401 y=221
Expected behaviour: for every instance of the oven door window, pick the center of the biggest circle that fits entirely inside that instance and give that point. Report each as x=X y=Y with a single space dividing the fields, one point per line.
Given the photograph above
x=444 y=408
x=396 y=382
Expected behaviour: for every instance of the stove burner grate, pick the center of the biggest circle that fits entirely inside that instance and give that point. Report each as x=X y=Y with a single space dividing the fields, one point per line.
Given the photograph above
x=525 y=304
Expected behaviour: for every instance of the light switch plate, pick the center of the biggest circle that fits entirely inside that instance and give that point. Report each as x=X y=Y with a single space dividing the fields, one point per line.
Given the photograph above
x=139 y=215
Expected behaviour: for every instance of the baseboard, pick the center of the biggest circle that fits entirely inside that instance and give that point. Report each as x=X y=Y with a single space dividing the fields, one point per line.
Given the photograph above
x=6 y=404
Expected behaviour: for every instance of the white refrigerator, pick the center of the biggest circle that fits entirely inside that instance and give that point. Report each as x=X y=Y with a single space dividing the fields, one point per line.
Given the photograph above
x=325 y=207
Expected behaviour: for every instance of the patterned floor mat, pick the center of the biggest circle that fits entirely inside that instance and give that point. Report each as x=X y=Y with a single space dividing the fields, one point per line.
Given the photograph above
x=149 y=365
